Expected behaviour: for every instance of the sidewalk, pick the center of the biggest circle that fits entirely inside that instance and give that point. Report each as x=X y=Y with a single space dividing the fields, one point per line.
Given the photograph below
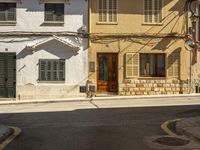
x=103 y=98
x=189 y=127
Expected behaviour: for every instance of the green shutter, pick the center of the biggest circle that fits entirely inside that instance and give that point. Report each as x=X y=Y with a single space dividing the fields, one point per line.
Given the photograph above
x=61 y=70
x=2 y=12
x=52 y=70
x=59 y=12
x=49 y=11
x=11 y=12
x=42 y=70
x=7 y=11
x=54 y=12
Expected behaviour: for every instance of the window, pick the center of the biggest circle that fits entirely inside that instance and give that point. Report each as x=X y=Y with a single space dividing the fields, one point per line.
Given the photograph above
x=152 y=65
x=54 y=12
x=107 y=11
x=153 y=11
x=52 y=70
x=7 y=11
x=174 y=65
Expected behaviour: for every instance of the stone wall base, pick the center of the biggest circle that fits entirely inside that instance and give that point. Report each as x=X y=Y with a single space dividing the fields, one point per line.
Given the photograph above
x=152 y=87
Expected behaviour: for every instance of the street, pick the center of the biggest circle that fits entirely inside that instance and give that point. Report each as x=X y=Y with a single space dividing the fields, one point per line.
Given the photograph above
x=88 y=128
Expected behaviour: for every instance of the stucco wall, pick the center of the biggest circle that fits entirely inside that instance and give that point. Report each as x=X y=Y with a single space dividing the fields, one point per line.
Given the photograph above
x=130 y=18
x=163 y=45
x=30 y=17
x=76 y=66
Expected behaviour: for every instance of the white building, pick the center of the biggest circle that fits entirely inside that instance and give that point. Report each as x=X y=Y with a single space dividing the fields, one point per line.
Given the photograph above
x=43 y=50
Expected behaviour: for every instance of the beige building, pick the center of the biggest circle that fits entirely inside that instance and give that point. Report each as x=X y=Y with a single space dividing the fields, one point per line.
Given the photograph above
x=138 y=47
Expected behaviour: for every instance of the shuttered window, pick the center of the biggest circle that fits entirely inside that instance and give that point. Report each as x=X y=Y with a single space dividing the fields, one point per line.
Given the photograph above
x=107 y=10
x=7 y=11
x=132 y=65
x=153 y=11
x=174 y=65
x=152 y=65
x=52 y=70
x=54 y=12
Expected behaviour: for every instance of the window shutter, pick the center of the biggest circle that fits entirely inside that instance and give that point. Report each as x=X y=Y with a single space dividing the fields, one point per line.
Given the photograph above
x=42 y=70
x=174 y=65
x=59 y=12
x=153 y=11
x=107 y=10
x=132 y=65
x=52 y=70
x=49 y=11
x=61 y=70
x=11 y=12
x=102 y=10
x=2 y=12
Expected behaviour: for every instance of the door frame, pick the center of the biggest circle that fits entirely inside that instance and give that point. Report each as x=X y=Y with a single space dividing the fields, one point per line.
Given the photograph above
x=15 y=75
x=97 y=74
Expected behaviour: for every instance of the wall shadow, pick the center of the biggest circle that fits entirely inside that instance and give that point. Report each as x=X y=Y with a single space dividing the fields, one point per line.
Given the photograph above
x=54 y=47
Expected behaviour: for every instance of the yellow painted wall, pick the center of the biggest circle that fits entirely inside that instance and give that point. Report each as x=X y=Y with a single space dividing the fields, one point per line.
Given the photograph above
x=130 y=20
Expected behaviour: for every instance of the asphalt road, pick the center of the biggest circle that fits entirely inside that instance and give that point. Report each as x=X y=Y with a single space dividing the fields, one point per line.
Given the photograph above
x=92 y=129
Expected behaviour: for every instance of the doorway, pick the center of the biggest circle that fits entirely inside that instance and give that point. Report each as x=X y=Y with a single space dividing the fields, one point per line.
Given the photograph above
x=107 y=72
x=7 y=75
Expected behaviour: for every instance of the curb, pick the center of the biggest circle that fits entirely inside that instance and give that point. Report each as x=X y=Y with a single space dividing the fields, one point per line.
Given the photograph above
x=84 y=99
x=10 y=138
x=166 y=129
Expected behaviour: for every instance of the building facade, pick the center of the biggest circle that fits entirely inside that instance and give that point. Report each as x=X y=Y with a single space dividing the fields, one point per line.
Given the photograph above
x=138 y=48
x=43 y=48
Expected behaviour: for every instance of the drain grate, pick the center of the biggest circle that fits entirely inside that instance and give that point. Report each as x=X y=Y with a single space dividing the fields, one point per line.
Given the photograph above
x=171 y=141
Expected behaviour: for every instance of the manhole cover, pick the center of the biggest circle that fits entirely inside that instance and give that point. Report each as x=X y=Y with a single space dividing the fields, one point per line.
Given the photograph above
x=171 y=141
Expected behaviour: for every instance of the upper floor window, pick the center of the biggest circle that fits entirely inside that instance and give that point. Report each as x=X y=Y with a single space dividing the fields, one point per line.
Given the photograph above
x=7 y=11
x=107 y=11
x=153 y=11
x=54 y=12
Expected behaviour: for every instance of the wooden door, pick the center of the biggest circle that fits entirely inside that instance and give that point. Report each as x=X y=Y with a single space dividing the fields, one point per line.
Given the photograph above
x=7 y=75
x=107 y=72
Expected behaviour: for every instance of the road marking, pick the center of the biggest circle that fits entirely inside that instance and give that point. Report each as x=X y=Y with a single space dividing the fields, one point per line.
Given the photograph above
x=16 y=132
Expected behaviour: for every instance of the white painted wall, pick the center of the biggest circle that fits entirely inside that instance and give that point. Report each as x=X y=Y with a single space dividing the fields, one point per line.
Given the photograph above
x=27 y=62
x=30 y=17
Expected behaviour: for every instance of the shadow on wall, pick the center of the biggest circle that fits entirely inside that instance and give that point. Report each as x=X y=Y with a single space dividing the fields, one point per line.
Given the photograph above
x=177 y=6
x=164 y=44
x=54 y=47
x=174 y=59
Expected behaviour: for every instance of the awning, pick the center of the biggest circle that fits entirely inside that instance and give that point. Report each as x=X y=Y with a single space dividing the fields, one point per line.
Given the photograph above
x=75 y=47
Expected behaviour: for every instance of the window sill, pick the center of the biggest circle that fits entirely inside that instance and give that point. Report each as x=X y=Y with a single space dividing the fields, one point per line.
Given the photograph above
x=49 y=82
x=107 y=23
x=53 y=23
x=8 y=23
x=152 y=24
x=152 y=78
